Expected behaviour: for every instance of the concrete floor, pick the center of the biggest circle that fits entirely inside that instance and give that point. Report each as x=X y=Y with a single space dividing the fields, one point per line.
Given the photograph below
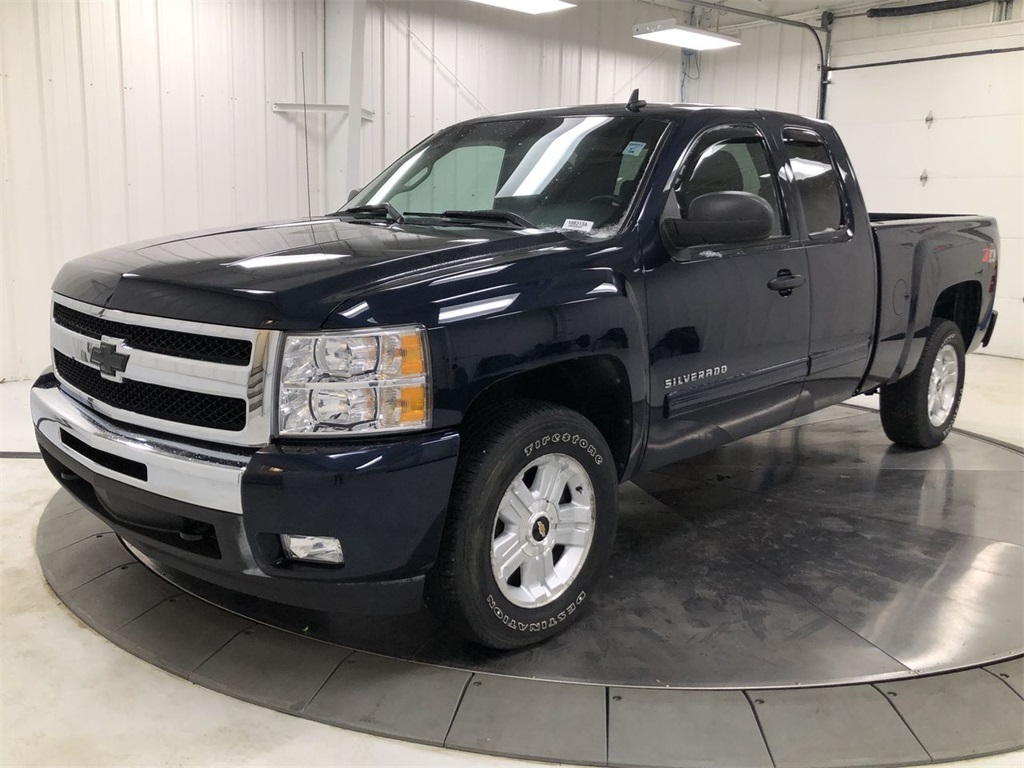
x=68 y=697
x=993 y=401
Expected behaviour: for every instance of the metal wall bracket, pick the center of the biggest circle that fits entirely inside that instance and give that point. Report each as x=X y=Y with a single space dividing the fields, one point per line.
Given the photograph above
x=292 y=106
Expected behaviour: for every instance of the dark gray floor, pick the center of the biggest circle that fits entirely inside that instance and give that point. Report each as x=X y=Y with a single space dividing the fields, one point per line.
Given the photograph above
x=810 y=555
x=813 y=554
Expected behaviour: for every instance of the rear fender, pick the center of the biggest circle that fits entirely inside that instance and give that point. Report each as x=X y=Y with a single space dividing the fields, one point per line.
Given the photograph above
x=920 y=263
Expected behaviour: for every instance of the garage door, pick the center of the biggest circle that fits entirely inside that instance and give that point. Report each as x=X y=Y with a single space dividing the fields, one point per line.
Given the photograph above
x=971 y=151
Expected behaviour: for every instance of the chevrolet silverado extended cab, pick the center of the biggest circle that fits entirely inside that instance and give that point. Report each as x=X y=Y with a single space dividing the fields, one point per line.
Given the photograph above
x=435 y=391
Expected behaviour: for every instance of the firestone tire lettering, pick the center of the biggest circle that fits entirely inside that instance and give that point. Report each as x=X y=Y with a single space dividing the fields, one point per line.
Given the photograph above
x=565 y=437
x=534 y=626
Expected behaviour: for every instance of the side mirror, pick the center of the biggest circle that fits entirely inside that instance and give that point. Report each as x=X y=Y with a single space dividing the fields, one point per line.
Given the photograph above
x=720 y=218
x=353 y=193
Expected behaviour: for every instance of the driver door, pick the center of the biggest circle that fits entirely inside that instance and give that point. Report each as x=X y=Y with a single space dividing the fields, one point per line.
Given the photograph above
x=728 y=351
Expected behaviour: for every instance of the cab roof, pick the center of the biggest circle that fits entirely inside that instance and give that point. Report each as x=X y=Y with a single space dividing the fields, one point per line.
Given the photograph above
x=661 y=110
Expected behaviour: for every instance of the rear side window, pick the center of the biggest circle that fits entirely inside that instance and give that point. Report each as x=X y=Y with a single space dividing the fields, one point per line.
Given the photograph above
x=816 y=181
x=735 y=164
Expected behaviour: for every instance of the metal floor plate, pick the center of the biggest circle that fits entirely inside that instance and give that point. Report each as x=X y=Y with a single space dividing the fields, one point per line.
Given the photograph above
x=808 y=555
x=812 y=569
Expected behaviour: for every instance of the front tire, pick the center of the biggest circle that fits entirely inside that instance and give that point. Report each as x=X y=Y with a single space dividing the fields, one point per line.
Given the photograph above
x=918 y=411
x=530 y=525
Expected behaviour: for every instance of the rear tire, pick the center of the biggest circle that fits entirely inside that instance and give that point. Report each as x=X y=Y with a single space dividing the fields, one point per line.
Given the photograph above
x=918 y=411
x=530 y=525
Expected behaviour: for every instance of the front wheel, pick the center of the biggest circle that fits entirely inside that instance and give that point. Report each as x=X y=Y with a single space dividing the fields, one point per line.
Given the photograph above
x=530 y=525
x=919 y=410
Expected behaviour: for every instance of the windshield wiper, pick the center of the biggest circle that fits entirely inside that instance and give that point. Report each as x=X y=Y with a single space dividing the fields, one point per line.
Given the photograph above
x=484 y=216
x=387 y=209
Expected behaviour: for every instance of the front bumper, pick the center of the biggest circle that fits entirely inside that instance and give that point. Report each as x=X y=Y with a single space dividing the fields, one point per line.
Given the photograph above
x=216 y=513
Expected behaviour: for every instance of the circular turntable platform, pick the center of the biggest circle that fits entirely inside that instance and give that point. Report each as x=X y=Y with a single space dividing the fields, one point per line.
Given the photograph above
x=811 y=595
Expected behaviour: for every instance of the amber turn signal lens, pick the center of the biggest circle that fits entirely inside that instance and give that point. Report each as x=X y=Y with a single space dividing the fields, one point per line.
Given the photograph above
x=413 y=405
x=412 y=355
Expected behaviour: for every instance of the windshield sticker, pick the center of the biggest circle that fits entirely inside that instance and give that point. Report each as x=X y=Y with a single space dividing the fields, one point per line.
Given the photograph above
x=580 y=225
x=634 y=148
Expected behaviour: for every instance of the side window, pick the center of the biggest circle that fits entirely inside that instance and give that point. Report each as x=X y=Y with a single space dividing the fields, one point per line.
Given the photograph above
x=465 y=178
x=817 y=182
x=735 y=164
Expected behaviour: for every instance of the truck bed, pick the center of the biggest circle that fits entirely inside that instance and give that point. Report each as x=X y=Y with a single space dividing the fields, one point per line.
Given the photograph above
x=892 y=218
x=942 y=260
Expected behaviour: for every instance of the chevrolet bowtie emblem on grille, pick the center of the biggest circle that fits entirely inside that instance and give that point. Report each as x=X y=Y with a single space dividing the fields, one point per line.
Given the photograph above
x=110 y=362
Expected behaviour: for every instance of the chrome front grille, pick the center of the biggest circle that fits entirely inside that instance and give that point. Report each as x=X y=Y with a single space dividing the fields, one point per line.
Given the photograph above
x=184 y=378
x=194 y=346
x=167 y=403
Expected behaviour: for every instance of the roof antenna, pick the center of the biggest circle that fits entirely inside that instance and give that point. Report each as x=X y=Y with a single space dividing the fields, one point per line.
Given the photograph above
x=635 y=102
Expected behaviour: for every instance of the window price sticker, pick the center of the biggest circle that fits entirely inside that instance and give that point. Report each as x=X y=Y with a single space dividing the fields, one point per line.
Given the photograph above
x=579 y=225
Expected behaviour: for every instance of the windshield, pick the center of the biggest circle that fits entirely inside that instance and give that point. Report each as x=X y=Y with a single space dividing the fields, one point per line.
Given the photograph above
x=575 y=173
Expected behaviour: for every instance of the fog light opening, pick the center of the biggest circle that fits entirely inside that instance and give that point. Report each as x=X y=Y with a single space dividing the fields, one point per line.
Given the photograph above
x=312 y=549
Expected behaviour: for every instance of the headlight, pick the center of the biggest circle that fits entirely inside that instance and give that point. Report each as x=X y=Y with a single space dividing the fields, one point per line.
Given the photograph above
x=354 y=381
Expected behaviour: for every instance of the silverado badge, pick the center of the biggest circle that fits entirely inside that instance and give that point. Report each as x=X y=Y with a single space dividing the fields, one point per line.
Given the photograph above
x=694 y=376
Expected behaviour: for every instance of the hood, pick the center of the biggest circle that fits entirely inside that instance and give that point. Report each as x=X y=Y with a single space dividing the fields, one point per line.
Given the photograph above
x=288 y=275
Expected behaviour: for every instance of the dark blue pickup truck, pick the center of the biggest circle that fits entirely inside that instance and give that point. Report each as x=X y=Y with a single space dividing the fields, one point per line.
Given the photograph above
x=435 y=391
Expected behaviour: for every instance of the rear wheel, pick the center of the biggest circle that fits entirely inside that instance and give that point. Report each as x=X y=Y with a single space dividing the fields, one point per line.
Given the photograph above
x=530 y=525
x=919 y=410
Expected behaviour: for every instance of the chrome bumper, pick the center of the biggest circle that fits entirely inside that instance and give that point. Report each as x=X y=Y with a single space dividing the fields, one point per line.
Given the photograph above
x=204 y=477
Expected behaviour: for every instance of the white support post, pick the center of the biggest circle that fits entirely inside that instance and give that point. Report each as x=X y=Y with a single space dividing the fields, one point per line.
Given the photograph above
x=344 y=36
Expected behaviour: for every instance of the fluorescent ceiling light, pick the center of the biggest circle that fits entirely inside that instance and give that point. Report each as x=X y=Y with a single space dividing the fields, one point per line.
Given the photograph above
x=476 y=308
x=284 y=260
x=808 y=169
x=528 y=6
x=669 y=32
x=556 y=155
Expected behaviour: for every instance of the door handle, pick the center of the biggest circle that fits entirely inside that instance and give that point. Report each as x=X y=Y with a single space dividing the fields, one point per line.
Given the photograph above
x=785 y=282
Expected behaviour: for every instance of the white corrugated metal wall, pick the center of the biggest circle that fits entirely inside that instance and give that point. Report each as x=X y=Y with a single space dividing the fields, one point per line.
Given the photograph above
x=972 y=150
x=775 y=67
x=431 y=64
x=132 y=119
